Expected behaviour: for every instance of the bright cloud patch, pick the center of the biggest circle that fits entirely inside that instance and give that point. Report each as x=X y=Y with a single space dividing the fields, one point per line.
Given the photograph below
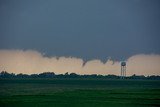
x=19 y=61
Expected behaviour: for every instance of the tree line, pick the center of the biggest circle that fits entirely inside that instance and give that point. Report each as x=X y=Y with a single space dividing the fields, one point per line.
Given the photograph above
x=5 y=74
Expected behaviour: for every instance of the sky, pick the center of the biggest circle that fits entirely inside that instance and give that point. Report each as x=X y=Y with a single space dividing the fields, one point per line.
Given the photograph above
x=88 y=30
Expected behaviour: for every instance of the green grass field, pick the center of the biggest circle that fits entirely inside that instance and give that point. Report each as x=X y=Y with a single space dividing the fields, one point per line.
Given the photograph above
x=79 y=93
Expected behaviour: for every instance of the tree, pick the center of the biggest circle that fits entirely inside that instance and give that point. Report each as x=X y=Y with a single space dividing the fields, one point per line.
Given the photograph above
x=47 y=75
x=5 y=74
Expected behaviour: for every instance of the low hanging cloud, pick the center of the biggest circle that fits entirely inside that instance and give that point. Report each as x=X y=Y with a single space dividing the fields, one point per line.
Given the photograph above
x=30 y=61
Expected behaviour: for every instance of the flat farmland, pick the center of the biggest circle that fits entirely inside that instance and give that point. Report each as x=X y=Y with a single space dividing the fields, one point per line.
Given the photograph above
x=79 y=92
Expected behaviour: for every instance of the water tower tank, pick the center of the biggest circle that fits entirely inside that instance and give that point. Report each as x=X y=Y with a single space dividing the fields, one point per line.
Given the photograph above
x=123 y=63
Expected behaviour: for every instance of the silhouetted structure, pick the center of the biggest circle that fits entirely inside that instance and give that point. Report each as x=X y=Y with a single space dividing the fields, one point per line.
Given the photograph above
x=123 y=70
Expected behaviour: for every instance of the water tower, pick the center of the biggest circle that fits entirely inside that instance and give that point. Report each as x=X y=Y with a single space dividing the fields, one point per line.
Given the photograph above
x=123 y=69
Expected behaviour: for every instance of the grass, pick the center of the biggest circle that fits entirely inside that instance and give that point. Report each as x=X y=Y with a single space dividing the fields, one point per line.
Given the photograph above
x=79 y=93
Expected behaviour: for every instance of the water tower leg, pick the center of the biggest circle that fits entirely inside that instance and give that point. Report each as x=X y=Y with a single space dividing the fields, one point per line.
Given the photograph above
x=121 y=72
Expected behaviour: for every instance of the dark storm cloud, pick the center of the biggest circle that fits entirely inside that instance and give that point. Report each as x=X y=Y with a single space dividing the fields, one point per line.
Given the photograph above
x=81 y=28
